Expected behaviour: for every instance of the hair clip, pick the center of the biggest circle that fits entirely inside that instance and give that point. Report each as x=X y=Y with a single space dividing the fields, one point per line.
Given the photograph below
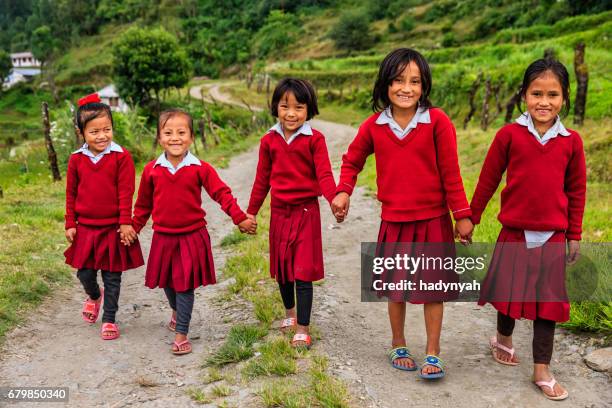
x=91 y=98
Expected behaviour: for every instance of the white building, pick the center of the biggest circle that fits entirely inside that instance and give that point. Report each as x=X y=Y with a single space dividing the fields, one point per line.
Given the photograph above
x=110 y=96
x=24 y=59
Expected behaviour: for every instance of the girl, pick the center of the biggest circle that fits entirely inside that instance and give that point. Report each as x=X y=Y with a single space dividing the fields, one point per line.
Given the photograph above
x=294 y=164
x=180 y=258
x=541 y=208
x=99 y=191
x=418 y=179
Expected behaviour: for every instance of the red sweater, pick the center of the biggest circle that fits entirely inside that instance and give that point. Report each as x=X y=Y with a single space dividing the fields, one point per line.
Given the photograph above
x=295 y=172
x=99 y=194
x=176 y=199
x=545 y=184
x=417 y=177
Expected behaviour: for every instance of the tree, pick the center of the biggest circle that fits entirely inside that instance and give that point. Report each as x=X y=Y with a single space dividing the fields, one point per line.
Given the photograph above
x=43 y=44
x=147 y=61
x=280 y=30
x=352 y=31
x=5 y=65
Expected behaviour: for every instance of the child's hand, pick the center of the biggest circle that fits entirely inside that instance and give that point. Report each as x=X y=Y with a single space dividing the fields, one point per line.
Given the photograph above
x=340 y=206
x=574 y=251
x=463 y=230
x=248 y=226
x=70 y=234
x=127 y=234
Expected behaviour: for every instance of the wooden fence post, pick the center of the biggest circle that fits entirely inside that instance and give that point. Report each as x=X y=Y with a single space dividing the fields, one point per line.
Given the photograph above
x=582 y=78
x=49 y=143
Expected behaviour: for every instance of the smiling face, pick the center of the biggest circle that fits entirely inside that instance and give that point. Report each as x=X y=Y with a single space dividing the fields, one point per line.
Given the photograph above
x=175 y=137
x=98 y=134
x=544 y=100
x=291 y=113
x=406 y=89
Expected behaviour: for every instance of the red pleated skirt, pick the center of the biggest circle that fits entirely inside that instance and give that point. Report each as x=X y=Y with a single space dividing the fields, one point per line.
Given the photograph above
x=296 y=248
x=527 y=283
x=415 y=239
x=100 y=248
x=180 y=261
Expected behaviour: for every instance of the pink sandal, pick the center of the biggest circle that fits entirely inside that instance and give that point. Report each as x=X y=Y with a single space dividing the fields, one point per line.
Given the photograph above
x=91 y=308
x=287 y=324
x=172 y=324
x=109 y=331
x=178 y=350
x=551 y=384
x=301 y=337
x=495 y=345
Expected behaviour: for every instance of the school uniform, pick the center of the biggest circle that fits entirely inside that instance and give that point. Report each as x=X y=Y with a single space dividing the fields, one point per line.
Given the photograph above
x=418 y=180
x=542 y=206
x=99 y=191
x=180 y=255
x=296 y=171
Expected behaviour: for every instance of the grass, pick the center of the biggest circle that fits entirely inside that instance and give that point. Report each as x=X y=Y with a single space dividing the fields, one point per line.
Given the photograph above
x=32 y=230
x=238 y=346
x=321 y=390
x=276 y=357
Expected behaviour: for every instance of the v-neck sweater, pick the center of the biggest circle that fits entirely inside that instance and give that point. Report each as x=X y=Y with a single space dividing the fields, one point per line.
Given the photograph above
x=545 y=184
x=417 y=177
x=175 y=200
x=99 y=194
x=294 y=172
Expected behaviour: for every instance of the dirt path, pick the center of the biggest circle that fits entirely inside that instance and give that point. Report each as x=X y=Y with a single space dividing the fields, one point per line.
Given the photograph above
x=56 y=348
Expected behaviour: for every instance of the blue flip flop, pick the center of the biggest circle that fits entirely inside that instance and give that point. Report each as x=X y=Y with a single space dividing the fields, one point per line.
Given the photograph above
x=401 y=352
x=434 y=361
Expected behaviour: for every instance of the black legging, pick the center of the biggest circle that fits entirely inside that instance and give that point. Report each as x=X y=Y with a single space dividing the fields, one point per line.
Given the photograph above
x=543 y=336
x=303 y=292
x=112 y=288
x=182 y=304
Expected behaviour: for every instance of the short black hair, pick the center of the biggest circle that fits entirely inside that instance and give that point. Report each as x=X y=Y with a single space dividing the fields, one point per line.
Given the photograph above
x=91 y=111
x=302 y=90
x=390 y=68
x=541 y=66
x=166 y=115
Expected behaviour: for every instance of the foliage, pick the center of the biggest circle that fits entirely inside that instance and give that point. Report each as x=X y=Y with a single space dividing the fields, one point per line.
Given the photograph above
x=352 y=31
x=5 y=64
x=279 y=31
x=147 y=61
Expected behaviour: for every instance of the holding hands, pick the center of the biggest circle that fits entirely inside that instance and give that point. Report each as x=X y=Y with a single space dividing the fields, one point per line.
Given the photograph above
x=248 y=226
x=340 y=206
x=463 y=230
x=127 y=234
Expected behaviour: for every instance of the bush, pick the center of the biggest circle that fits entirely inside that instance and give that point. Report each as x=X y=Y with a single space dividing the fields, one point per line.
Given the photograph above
x=280 y=30
x=352 y=31
x=449 y=40
x=407 y=23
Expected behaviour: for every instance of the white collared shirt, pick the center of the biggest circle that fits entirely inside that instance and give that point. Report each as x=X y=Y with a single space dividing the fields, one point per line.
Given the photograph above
x=95 y=158
x=188 y=160
x=536 y=239
x=556 y=129
x=386 y=118
x=305 y=129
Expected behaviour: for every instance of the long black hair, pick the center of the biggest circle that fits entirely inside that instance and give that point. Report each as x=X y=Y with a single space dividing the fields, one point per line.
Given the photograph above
x=391 y=67
x=538 y=68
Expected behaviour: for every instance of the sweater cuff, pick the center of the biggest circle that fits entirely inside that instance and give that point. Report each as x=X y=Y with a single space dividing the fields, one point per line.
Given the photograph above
x=70 y=224
x=125 y=220
x=238 y=218
x=475 y=217
x=137 y=227
x=253 y=210
x=345 y=188
x=462 y=213
x=573 y=236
